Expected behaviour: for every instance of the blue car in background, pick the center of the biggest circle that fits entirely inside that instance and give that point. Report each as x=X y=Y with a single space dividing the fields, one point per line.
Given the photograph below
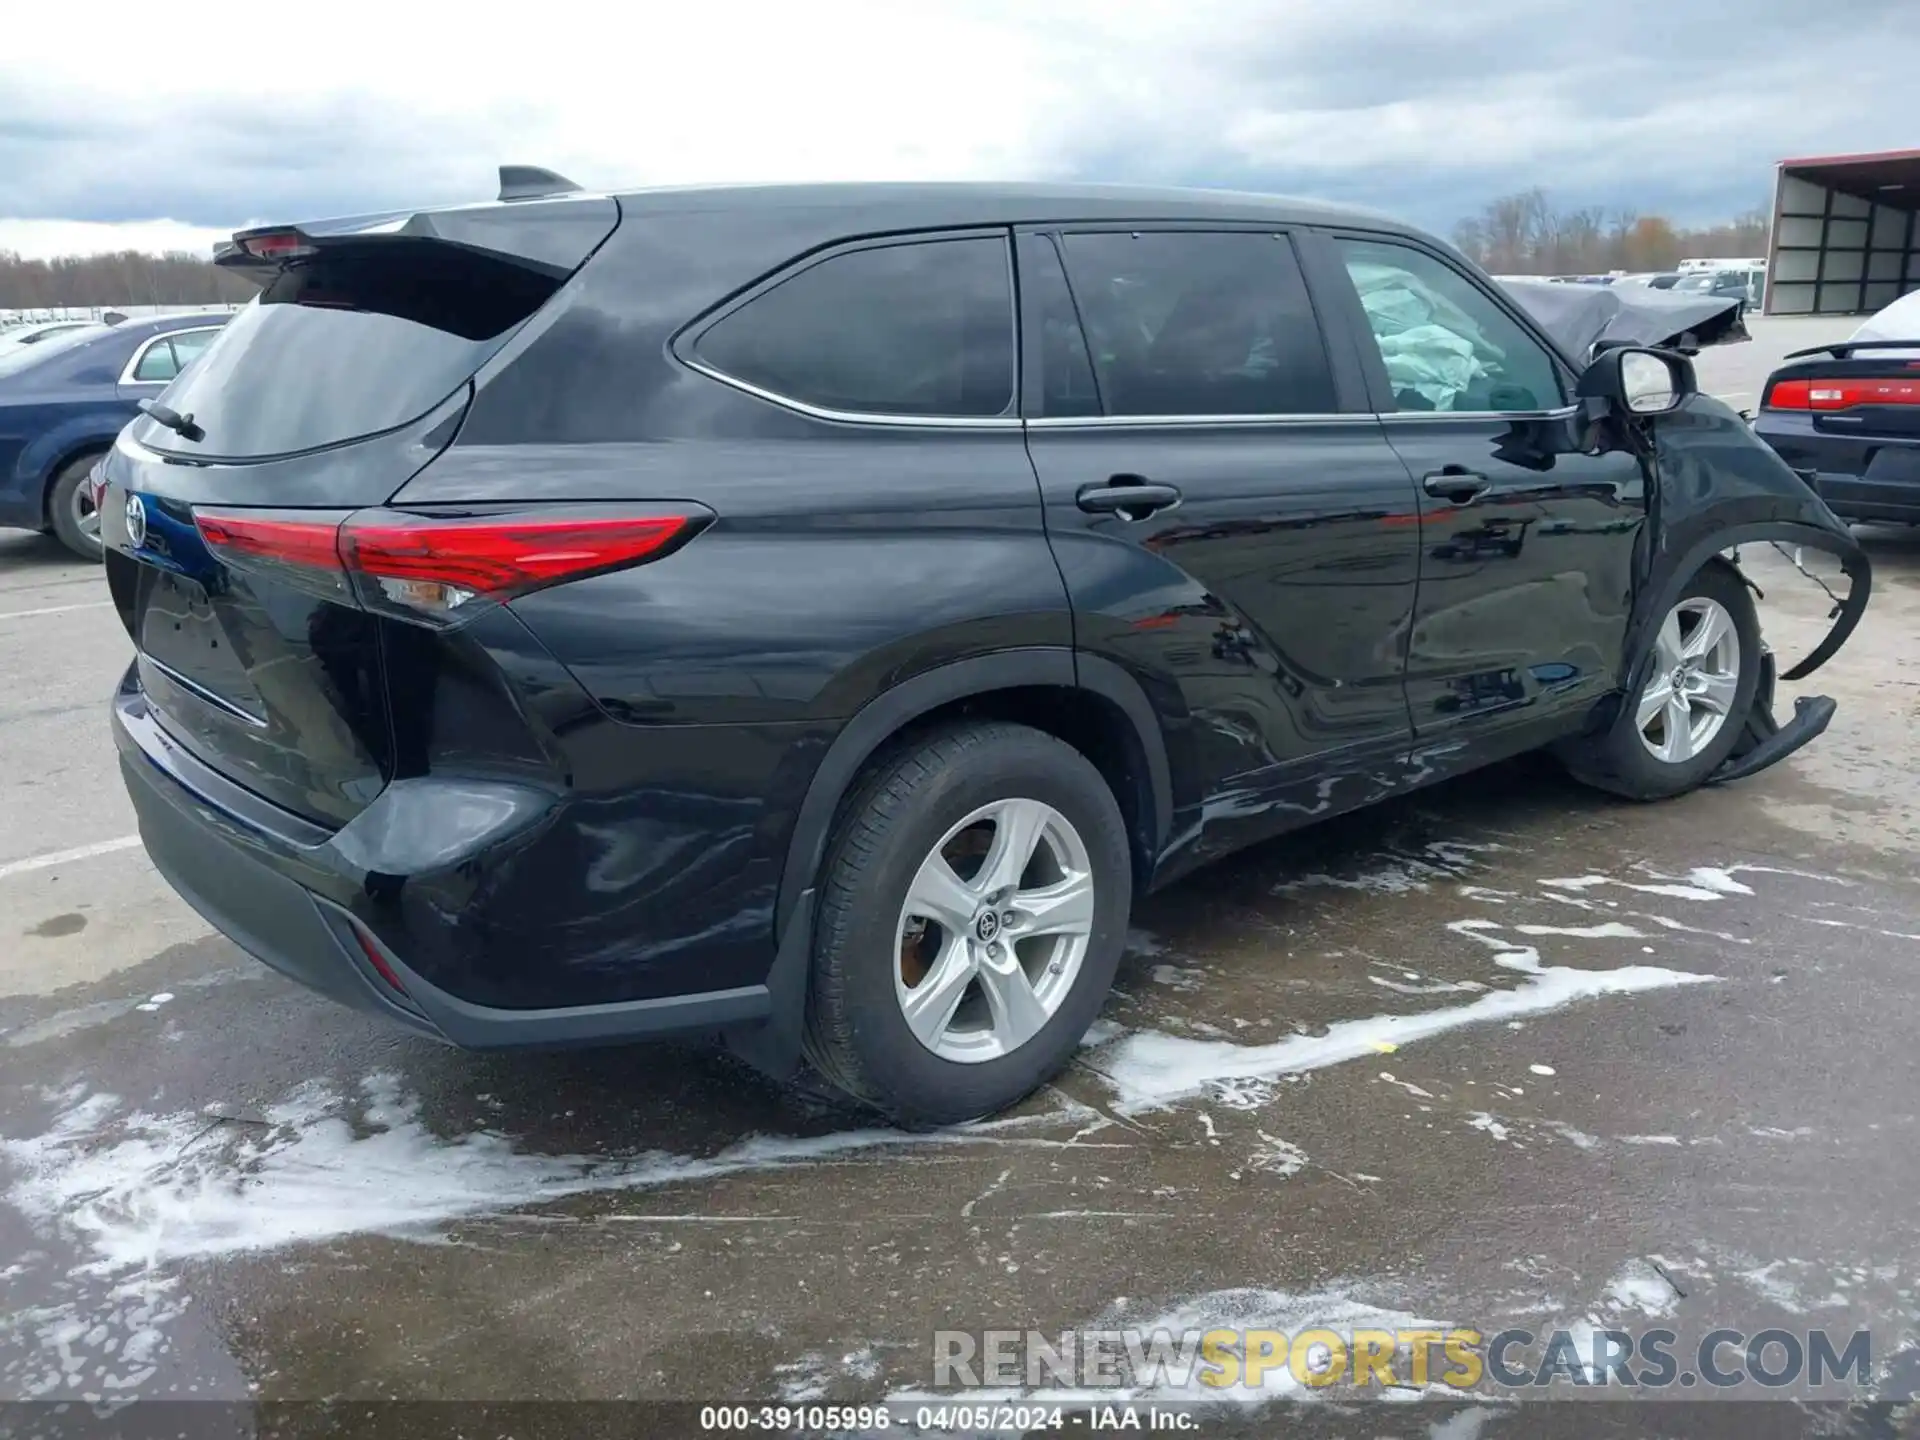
x=64 y=400
x=1847 y=417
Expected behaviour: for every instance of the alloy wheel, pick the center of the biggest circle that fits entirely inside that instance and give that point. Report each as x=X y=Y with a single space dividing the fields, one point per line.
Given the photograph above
x=86 y=518
x=1696 y=674
x=994 y=931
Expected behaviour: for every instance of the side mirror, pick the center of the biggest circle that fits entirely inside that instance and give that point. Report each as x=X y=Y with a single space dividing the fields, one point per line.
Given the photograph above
x=1631 y=380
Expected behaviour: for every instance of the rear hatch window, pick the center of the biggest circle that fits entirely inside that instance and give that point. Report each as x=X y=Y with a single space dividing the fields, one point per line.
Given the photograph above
x=358 y=339
x=314 y=402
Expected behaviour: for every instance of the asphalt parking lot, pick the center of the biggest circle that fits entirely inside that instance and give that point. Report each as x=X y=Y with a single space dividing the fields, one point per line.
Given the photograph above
x=1506 y=1053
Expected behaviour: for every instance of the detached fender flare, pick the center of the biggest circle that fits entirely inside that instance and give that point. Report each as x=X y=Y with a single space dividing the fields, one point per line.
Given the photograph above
x=892 y=710
x=1672 y=577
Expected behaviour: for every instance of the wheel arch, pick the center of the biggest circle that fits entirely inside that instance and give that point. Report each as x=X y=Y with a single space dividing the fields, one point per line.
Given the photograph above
x=1091 y=703
x=70 y=451
x=1675 y=572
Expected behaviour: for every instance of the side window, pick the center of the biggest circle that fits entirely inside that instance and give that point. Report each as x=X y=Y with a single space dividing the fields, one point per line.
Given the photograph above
x=1446 y=345
x=188 y=344
x=1059 y=349
x=922 y=328
x=1199 y=323
x=158 y=363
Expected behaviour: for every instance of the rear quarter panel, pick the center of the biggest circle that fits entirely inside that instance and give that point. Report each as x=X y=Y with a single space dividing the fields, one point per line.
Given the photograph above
x=843 y=560
x=720 y=675
x=836 y=569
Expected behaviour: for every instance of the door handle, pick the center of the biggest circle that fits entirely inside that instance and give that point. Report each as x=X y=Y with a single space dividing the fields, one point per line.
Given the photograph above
x=1132 y=497
x=1455 y=483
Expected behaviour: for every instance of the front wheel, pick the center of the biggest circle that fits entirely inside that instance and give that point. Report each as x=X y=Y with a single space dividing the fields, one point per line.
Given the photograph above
x=1693 y=704
x=972 y=915
x=70 y=507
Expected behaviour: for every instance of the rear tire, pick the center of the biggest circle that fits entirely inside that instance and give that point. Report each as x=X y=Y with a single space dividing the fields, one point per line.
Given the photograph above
x=1001 y=993
x=1693 y=704
x=70 y=508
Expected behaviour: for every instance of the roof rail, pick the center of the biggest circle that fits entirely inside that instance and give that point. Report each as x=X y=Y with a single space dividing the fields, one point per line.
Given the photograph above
x=530 y=182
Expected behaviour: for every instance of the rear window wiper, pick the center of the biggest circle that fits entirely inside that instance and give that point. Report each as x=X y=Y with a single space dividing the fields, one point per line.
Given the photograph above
x=181 y=425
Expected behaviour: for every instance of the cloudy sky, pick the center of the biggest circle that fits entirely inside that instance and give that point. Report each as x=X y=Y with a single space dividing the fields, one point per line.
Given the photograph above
x=122 y=123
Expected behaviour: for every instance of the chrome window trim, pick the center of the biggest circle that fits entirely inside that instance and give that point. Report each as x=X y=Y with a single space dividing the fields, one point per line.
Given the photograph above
x=1114 y=422
x=1564 y=412
x=126 y=375
x=854 y=417
x=1131 y=422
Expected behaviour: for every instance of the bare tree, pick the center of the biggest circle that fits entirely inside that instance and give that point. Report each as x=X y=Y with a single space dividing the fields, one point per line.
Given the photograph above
x=126 y=278
x=1522 y=234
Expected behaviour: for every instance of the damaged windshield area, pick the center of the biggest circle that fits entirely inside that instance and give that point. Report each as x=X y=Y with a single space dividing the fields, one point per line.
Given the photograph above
x=1446 y=344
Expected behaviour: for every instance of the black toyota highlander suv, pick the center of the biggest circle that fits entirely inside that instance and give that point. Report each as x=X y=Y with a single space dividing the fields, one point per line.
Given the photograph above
x=810 y=615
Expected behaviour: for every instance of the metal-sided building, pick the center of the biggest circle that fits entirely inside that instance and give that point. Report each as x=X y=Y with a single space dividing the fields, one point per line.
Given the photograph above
x=1846 y=233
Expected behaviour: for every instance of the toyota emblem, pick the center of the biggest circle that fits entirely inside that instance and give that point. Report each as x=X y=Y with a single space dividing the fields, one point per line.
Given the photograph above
x=136 y=521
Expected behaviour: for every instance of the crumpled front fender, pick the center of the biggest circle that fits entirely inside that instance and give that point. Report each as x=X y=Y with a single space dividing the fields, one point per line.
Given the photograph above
x=1719 y=486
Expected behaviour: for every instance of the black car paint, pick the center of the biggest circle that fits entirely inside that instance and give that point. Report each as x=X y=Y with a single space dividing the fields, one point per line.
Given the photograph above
x=600 y=811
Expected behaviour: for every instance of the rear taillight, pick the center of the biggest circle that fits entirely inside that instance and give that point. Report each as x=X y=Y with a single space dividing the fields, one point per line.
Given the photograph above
x=278 y=245
x=440 y=565
x=441 y=568
x=303 y=553
x=1841 y=394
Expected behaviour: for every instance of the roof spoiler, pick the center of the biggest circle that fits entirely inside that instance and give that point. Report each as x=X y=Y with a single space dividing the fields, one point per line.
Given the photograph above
x=1845 y=348
x=530 y=182
x=552 y=231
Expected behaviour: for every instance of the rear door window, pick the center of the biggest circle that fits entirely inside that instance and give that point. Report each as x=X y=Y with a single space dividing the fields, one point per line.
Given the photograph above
x=1446 y=345
x=188 y=344
x=914 y=329
x=356 y=340
x=1199 y=323
x=156 y=363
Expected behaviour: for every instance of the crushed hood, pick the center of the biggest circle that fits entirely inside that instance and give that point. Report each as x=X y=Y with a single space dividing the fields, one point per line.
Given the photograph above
x=1579 y=316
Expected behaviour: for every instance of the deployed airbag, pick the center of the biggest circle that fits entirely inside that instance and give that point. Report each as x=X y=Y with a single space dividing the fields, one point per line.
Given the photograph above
x=1430 y=345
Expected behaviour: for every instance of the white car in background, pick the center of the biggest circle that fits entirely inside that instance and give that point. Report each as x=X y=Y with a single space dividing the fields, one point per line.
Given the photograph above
x=1898 y=321
x=19 y=335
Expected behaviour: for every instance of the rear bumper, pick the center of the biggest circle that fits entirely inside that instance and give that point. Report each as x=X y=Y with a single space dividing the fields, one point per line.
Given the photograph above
x=272 y=883
x=1865 y=478
x=1858 y=497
